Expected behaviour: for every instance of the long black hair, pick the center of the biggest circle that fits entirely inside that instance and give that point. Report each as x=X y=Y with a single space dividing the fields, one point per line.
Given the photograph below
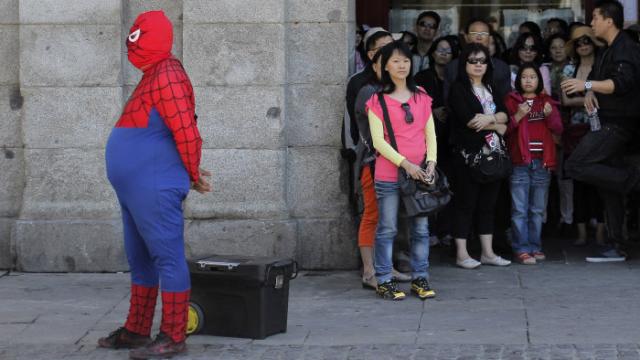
x=520 y=43
x=386 y=52
x=463 y=77
x=518 y=82
x=434 y=46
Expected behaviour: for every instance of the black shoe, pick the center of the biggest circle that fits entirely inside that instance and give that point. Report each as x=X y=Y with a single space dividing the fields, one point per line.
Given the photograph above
x=608 y=254
x=160 y=348
x=123 y=339
x=389 y=290
x=421 y=288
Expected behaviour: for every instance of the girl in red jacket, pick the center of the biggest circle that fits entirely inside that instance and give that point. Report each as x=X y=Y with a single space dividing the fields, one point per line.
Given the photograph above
x=534 y=122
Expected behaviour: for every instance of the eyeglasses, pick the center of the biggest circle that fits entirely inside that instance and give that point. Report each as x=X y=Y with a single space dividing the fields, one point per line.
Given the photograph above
x=474 y=61
x=480 y=34
x=429 y=25
x=444 y=51
x=528 y=48
x=408 y=116
x=583 y=41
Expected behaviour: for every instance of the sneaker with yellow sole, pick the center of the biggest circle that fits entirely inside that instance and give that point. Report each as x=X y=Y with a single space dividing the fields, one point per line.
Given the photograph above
x=421 y=288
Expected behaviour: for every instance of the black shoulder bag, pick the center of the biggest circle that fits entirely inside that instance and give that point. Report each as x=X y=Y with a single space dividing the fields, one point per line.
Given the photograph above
x=419 y=199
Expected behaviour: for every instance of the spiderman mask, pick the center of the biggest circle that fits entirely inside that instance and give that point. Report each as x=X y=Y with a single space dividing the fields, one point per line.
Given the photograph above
x=150 y=39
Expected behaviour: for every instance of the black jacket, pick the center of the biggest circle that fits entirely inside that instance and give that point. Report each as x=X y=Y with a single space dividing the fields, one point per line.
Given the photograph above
x=463 y=106
x=350 y=126
x=619 y=62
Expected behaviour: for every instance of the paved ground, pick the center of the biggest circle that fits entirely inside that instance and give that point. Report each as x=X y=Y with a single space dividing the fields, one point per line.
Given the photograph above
x=562 y=309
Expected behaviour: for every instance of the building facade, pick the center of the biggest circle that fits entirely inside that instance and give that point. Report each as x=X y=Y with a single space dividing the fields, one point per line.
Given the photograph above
x=269 y=78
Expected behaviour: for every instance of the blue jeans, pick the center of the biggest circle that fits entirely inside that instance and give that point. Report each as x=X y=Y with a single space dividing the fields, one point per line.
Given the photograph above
x=529 y=187
x=388 y=195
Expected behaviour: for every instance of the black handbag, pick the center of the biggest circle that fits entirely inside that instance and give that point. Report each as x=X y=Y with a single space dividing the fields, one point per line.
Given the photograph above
x=489 y=166
x=418 y=198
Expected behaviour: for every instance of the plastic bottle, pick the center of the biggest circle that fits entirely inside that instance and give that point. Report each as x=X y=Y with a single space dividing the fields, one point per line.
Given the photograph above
x=594 y=120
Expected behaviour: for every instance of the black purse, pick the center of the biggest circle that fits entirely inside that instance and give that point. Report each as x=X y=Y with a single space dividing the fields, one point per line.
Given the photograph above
x=487 y=167
x=418 y=198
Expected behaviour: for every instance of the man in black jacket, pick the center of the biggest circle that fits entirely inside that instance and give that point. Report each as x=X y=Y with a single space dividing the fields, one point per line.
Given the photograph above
x=478 y=31
x=613 y=95
x=374 y=39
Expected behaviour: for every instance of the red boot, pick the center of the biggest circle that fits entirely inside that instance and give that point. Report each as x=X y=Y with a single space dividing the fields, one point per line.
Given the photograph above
x=173 y=329
x=136 y=330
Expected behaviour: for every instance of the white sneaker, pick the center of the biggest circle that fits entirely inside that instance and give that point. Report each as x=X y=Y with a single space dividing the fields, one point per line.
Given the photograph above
x=496 y=261
x=468 y=263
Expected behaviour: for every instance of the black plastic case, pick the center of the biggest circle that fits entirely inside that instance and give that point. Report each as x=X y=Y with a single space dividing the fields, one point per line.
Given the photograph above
x=241 y=296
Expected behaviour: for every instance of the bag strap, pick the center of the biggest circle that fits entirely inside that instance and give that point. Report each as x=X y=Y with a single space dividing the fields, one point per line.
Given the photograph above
x=387 y=121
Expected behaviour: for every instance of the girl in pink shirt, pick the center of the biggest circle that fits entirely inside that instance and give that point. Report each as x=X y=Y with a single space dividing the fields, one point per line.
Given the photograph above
x=409 y=109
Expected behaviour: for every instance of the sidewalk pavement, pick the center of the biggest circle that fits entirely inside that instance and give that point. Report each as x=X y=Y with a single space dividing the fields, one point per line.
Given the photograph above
x=561 y=309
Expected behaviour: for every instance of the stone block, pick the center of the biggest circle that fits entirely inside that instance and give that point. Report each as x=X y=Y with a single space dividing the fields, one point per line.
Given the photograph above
x=235 y=54
x=9 y=54
x=314 y=115
x=10 y=105
x=67 y=184
x=70 y=55
x=11 y=181
x=241 y=117
x=241 y=237
x=171 y=8
x=247 y=184
x=132 y=75
x=327 y=244
x=70 y=117
x=6 y=250
x=324 y=46
x=70 y=246
x=318 y=11
x=8 y=11
x=317 y=183
x=70 y=12
x=233 y=11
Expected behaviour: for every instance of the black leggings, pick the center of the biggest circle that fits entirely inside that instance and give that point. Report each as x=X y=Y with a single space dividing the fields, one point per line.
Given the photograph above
x=474 y=204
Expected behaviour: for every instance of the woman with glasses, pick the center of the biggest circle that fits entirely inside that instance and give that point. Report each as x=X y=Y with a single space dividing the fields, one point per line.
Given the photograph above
x=409 y=111
x=476 y=116
x=528 y=49
x=442 y=52
x=587 y=204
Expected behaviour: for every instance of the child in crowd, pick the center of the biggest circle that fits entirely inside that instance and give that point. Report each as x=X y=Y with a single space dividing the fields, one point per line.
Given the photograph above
x=533 y=129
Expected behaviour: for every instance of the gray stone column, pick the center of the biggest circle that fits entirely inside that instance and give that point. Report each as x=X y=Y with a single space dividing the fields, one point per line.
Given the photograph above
x=71 y=81
x=11 y=153
x=318 y=34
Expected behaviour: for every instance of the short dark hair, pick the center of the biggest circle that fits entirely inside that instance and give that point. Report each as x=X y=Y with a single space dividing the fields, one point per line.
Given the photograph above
x=432 y=14
x=518 y=82
x=476 y=20
x=463 y=77
x=612 y=9
x=533 y=27
x=547 y=45
x=563 y=24
x=375 y=37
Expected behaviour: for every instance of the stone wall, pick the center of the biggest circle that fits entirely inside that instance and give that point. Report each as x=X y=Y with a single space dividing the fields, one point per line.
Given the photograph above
x=269 y=77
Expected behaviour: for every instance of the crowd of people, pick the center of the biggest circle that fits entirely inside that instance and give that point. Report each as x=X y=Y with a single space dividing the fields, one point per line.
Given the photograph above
x=561 y=104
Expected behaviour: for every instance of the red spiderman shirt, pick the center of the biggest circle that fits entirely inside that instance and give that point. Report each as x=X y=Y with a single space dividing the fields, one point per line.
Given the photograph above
x=164 y=87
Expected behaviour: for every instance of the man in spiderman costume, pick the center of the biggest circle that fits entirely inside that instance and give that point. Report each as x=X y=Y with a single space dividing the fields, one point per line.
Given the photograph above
x=153 y=157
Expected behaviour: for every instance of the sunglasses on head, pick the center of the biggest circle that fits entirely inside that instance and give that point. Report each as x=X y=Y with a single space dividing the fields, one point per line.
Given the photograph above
x=474 y=61
x=585 y=40
x=429 y=25
x=528 y=48
x=408 y=116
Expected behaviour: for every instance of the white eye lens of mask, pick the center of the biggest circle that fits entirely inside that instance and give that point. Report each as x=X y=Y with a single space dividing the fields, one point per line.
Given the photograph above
x=134 y=36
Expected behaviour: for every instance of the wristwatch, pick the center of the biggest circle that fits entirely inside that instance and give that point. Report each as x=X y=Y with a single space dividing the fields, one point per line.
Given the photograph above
x=587 y=85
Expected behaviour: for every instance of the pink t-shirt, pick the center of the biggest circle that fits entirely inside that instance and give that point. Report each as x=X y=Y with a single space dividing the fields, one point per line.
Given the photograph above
x=411 y=138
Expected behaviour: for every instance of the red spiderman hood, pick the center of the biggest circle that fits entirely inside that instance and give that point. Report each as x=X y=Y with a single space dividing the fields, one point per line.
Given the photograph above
x=150 y=39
